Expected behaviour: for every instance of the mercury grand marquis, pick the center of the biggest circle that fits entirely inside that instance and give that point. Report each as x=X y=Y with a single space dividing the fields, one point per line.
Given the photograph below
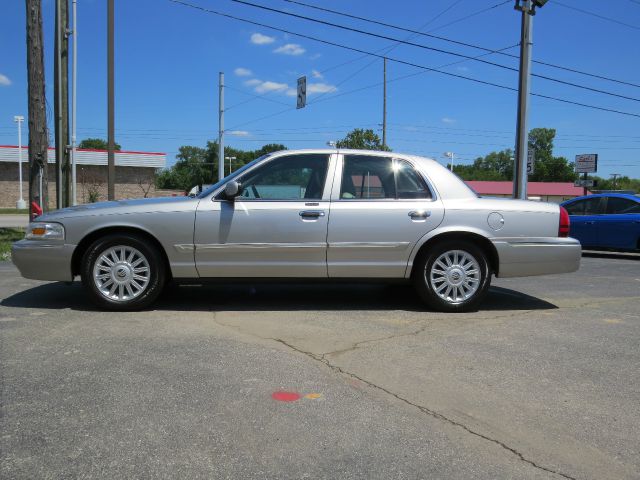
x=305 y=214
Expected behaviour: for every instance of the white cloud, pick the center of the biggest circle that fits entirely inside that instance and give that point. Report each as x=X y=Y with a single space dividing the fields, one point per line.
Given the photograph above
x=316 y=74
x=291 y=92
x=269 y=86
x=448 y=120
x=242 y=72
x=252 y=82
x=4 y=80
x=260 y=39
x=239 y=133
x=315 y=56
x=290 y=49
x=321 y=88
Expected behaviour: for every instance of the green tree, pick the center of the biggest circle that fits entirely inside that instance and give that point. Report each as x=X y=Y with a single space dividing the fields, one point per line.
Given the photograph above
x=494 y=166
x=362 y=140
x=95 y=144
x=199 y=166
x=547 y=167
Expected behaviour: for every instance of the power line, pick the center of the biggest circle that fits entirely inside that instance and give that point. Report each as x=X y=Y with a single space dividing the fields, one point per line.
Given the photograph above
x=465 y=44
x=471 y=15
x=254 y=97
x=434 y=49
x=597 y=15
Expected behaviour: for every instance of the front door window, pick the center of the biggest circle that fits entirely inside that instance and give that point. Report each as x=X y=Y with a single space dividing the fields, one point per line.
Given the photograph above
x=293 y=177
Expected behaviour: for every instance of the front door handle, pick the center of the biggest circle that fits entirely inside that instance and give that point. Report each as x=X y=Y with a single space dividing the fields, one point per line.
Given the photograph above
x=419 y=214
x=310 y=214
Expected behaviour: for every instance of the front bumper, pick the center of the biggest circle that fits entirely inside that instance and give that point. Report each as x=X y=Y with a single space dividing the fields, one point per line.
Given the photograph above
x=524 y=257
x=41 y=261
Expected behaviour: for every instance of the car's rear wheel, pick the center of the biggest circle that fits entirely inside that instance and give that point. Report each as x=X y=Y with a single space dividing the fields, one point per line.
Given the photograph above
x=452 y=276
x=123 y=272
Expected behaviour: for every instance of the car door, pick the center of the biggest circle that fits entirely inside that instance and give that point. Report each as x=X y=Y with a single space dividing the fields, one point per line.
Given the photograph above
x=380 y=208
x=620 y=226
x=584 y=215
x=277 y=226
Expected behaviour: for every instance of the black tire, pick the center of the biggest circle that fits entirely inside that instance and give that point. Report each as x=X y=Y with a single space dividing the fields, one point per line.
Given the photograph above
x=436 y=285
x=153 y=281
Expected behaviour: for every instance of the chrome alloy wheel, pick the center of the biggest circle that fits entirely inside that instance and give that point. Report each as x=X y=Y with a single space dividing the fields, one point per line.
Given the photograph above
x=121 y=273
x=454 y=276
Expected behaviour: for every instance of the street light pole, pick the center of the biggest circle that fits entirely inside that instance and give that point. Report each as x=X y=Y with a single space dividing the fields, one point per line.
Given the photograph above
x=20 y=204
x=450 y=156
x=230 y=160
x=220 y=126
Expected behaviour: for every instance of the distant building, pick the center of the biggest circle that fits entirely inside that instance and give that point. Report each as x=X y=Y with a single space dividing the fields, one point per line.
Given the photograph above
x=134 y=174
x=543 y=191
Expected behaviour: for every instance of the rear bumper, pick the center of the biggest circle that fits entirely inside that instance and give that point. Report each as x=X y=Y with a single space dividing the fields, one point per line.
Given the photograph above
x=43 y=262
x=524 y=257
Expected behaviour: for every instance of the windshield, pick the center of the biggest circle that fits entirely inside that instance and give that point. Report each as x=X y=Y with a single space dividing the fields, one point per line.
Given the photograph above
x=238 y=172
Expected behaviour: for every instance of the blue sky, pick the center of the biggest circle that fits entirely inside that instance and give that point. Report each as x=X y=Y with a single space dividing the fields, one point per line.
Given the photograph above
x=168 y=57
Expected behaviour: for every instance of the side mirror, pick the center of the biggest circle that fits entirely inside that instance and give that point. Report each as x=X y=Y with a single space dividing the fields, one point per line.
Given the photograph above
x=232 y=189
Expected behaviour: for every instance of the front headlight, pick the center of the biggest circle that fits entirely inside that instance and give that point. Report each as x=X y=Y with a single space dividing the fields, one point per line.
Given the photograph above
x=45 y=231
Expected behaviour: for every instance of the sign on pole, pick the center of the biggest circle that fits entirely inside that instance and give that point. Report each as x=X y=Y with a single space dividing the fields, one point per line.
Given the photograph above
x=584 y=183
x=531 y=161
x=587 y=163
x=302 y=92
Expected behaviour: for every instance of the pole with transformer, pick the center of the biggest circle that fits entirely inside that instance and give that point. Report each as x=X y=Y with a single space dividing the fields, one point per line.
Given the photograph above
x=111 y=168
x=220 y=127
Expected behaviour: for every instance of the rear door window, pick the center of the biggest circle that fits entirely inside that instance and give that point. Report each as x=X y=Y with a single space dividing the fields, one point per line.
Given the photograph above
x=367 y=177
x=618 y=205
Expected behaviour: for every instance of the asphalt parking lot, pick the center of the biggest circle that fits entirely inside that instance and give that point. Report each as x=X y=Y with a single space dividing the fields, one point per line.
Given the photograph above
x=542 y=382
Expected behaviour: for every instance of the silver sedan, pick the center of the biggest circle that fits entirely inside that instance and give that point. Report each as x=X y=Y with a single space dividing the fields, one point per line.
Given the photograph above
x=312 y=214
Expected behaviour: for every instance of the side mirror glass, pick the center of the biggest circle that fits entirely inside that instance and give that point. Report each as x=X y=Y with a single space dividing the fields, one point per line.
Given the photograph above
x=232 y=189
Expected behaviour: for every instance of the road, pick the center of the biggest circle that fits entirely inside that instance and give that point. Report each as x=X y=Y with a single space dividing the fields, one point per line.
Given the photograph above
x=7 y=221
x=541 y=383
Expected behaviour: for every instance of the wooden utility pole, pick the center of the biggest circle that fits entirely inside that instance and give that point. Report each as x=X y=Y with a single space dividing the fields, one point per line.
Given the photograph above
x=61 y=105
x=38 y=139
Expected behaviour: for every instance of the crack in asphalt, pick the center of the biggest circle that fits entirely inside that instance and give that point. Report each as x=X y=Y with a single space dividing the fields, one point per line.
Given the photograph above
x=357 y=345
x=428 y=411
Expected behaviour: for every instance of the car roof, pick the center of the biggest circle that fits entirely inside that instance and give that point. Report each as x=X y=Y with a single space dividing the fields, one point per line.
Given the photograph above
x=629 y=196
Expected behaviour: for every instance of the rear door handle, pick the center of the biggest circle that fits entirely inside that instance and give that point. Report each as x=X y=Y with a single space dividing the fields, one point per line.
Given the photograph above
x=311 y=214
x=419 y=214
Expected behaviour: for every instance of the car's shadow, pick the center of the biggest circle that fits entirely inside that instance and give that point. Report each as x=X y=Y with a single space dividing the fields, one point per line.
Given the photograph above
x=271 y=297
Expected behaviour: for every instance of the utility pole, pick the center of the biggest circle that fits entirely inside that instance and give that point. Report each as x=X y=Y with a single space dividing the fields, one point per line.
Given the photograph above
x=220 y=127
x=61 y=108
x=38 y=138
x=20 y=204
x=384 y=102
x=111 y=166
x=528 y=9
x=615 y=179
x=74 y=71
x=526 y=40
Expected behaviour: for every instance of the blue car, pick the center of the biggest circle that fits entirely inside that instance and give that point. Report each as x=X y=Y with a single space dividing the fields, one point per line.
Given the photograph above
x=605 y=220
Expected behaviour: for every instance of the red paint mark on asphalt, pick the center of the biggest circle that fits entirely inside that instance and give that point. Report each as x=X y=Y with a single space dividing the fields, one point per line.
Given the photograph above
x=285 y=396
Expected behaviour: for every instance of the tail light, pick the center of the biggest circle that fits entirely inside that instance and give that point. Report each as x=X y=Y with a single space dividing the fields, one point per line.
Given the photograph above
x=565 y=223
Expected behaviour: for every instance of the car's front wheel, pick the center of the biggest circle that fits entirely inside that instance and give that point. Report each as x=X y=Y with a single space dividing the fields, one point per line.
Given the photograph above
x=452 y=276
x=123 y=272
